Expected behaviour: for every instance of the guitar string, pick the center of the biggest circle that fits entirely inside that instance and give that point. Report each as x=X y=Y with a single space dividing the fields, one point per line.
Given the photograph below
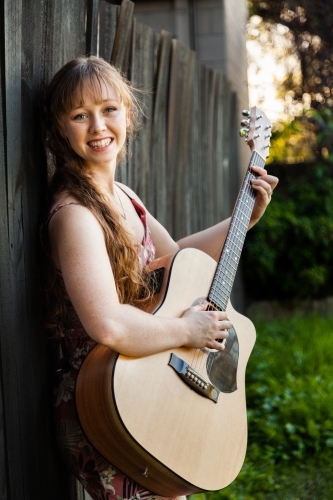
x=243 y=209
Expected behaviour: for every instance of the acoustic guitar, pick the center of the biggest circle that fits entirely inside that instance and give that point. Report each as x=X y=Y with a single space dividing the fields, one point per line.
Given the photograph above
x=175 y=421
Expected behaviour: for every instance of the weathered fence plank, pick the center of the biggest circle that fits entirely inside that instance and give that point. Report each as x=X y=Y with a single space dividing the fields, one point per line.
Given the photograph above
x=12 y=344
x=159 y=128
x=92 y=27
x=142 y=76
x=108 y=21
x=124 y=28
x=5 y=288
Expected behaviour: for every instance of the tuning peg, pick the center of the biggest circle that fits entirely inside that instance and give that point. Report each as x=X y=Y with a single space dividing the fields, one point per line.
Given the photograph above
x=268 y=127
x=245 y=123
x=246 y=112
x=243 y=132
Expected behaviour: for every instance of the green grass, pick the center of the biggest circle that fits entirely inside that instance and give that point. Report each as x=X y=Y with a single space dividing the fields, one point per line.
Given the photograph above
x=290 y=414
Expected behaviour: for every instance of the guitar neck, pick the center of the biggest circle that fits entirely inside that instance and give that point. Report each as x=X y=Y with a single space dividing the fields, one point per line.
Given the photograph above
x=223 y=281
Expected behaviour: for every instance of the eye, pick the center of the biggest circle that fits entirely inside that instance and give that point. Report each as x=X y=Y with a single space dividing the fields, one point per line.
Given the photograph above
x=79 y=117
x=110 y=109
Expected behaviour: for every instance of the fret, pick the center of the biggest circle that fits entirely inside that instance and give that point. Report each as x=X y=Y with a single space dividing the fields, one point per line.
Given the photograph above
x=226 y=281
x=222 y=293
x=219 y=295
x=221 y=275
x=246 y=214
x=234 y=268
x=230 y=252
x=225 y=271
x=238 y=223
x=222 y=289
x=237 y=227
x=249 y=204
x=222 y=271
x=233 y=243
x=234 y=256
x=222 y=305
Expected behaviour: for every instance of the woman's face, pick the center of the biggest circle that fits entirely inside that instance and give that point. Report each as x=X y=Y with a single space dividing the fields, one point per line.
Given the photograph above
x=97 y=131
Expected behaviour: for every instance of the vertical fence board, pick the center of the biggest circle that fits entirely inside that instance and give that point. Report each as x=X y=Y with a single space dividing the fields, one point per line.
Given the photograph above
x=5 y=289
x=12 y=344
x=122 y=34
x=196 y=201
x=92 y=27
x=173 y=133
x=108 y=16
x=142 y=76
x=159 y=128
x=218 y=147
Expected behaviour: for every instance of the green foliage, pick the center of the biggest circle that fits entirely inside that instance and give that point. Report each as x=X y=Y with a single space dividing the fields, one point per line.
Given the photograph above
x=293 y=142
x=290 y=407
x=288 y=255
x=323 y=121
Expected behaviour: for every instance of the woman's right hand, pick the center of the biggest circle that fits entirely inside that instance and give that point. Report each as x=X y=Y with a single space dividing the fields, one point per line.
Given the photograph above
x=206 y=328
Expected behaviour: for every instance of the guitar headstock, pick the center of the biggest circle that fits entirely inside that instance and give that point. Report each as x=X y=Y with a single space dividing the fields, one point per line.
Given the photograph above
x=257 y=131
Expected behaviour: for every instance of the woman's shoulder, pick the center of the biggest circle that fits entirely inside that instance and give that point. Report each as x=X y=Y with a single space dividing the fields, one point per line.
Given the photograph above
x=62 y=199
x=67 y=211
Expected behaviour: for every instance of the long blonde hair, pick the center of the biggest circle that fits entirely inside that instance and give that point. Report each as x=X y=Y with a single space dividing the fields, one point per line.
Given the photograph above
x=71 y=175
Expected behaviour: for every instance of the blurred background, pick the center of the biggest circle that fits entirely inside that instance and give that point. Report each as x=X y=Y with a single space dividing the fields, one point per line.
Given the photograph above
x=288 y=258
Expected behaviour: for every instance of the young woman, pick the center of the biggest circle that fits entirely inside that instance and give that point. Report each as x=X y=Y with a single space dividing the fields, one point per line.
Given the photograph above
x=98 y=237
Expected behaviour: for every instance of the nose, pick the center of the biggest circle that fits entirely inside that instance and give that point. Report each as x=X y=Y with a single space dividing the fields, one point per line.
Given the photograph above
x=97 y=124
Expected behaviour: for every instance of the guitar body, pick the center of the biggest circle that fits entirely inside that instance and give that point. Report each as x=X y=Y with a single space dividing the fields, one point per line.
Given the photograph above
x=143 y=418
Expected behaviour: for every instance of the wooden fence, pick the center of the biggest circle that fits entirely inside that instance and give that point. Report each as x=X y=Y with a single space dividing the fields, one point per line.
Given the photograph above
x=183 y=164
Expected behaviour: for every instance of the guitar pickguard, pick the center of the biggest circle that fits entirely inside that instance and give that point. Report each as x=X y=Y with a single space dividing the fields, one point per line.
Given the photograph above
x=222 y=365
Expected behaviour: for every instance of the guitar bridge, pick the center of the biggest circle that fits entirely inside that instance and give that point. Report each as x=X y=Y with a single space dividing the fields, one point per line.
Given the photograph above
x=193 y=379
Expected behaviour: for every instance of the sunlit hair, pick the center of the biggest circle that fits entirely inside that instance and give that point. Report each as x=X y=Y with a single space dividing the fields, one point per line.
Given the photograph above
x=71 y=175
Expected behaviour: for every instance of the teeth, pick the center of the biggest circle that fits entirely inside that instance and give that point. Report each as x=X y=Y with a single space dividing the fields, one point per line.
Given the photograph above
x=100 y=144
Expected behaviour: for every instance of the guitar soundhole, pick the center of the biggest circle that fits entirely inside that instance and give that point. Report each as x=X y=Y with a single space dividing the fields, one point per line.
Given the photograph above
x=222 y=365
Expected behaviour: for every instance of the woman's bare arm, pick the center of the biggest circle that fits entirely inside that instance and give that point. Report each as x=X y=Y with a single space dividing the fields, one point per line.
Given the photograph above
x=211 y=240
x=79 y=250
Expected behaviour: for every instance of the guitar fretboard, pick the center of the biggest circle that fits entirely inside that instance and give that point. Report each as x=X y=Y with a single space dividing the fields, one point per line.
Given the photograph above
x=226 y=269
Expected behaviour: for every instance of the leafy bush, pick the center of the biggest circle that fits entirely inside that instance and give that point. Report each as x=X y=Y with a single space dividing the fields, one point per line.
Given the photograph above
x=290 y=408
x=289 y=253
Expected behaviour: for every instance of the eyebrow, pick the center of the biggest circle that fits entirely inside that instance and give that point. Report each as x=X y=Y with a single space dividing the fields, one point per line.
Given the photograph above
x=104 y=100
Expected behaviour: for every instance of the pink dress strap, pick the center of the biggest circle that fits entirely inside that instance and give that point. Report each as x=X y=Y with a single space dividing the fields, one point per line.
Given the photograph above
x=148 y=250
x=56 y=208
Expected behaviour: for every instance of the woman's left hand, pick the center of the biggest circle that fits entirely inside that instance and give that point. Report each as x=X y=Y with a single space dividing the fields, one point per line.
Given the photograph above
x=264 y=186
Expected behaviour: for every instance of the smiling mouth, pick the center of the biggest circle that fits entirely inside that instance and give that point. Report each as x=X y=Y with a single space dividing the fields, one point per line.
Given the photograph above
x=100 y=144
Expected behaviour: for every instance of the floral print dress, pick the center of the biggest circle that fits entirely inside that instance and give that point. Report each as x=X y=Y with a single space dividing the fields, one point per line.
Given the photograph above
x=100 y=478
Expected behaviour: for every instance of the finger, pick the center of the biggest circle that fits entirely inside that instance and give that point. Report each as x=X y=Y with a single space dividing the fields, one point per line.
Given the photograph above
x=218 y=344
x=222 y=316
x=225 y=325
x=263 y=187
x=259 y=170
x=202 y=306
